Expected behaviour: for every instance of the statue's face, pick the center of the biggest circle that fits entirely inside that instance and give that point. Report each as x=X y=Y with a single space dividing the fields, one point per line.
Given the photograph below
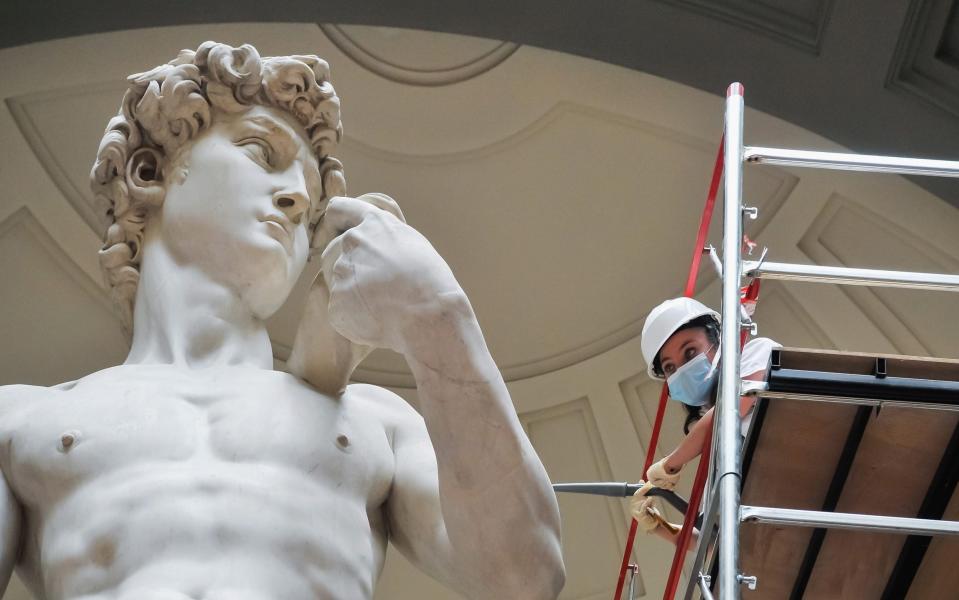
x=241 y=212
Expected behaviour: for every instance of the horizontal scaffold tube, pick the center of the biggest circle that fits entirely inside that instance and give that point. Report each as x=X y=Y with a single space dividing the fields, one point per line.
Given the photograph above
x=851 y=276
x=851 y=162
x=835 y=520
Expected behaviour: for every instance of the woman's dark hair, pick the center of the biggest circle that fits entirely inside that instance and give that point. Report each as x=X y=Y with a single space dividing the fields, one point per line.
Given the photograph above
x=711 y=327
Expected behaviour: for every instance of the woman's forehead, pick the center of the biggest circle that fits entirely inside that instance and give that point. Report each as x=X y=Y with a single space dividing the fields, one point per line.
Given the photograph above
x=682 y=337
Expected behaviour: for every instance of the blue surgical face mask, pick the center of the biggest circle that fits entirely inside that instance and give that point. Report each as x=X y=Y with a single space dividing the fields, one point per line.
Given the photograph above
x=692 y=382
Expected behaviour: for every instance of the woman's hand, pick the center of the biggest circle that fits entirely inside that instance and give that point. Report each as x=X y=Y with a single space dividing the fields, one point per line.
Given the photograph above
x=643 y=509
x=662 y=477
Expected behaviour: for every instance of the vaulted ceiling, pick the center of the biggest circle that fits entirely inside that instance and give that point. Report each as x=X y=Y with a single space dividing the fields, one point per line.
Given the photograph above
x=876 y=76
x=563 y=191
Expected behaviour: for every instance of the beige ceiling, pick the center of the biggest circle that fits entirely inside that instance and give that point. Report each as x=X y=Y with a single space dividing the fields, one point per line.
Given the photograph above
x=563 y=192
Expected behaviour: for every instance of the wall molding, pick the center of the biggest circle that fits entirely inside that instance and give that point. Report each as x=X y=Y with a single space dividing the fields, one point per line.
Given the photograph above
x=19 y=106
x=393 y=71
x=23 y=218
x=804 y=34
x=877 y=309
x=919 y=68
x=583 y=412
x=776 y=290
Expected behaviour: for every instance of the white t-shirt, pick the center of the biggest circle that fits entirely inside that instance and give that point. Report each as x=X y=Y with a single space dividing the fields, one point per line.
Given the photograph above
x=754 y=357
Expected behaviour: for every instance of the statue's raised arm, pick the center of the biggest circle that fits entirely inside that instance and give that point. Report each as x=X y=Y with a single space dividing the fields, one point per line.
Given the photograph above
x=479 y=512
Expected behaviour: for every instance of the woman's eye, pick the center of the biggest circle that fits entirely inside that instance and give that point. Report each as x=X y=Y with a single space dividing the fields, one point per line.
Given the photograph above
x=690 y=354
x=668 y=369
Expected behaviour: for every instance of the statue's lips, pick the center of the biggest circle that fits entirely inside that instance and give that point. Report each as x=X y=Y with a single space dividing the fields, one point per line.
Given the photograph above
x=279 y=232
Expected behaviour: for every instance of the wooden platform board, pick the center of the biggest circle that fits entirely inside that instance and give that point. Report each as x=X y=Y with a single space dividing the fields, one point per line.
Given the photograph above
x=798 y=445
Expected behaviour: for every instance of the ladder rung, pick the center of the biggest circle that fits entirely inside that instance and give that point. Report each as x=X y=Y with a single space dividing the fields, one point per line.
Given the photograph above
x=850 y=276
x=851 y=162
x=835 y=520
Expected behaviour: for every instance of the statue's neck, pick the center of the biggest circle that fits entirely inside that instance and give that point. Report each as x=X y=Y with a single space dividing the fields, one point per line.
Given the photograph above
x=184 y=317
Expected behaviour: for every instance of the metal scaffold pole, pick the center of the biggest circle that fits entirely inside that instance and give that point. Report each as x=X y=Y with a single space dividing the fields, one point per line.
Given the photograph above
x=789 y=381
x=727 y=410
x=791 y=375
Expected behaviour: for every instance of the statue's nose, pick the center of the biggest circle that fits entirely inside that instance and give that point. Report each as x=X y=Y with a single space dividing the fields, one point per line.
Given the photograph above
x=293 y=204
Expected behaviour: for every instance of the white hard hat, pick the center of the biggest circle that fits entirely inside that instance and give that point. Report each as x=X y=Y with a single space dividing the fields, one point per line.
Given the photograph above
x=664 y=320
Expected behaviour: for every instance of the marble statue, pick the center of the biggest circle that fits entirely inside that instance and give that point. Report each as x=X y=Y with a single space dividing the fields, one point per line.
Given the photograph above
x=196 y=471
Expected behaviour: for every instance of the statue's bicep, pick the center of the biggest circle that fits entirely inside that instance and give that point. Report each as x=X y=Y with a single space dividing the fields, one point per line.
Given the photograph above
x=414 y=511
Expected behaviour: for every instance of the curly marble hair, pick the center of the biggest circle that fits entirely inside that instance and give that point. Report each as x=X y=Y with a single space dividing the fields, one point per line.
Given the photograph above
x=165 y=108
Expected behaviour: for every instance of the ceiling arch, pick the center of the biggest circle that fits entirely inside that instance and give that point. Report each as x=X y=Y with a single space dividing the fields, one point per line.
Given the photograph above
x=562 y=191
x=876 y=76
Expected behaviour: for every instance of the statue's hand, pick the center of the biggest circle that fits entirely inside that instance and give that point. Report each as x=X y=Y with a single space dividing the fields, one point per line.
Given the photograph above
x=386 y=281
x=320 y=354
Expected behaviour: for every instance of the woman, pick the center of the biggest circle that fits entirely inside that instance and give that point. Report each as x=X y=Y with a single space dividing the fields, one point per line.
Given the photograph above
x=680 y=344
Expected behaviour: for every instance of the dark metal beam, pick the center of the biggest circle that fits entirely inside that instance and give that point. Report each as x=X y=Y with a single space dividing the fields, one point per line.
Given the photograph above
x=929 y=392
x=940 y=491
x=841 y=473
x=757 y=427
x=759 y=418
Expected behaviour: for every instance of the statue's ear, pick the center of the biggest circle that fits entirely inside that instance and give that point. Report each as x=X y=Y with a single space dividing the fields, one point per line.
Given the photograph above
x=144 y=176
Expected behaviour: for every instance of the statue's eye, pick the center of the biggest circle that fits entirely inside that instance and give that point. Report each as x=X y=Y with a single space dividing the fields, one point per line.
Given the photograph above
x=258 y=149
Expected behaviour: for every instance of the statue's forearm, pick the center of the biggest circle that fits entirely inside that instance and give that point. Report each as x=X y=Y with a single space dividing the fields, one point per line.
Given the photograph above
x=500 y=511
x=464 y=401
x=10 y=523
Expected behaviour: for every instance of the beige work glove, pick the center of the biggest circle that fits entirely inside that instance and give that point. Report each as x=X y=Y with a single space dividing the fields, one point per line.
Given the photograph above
x=658 y=476
x=644 y=510
x=646 y=513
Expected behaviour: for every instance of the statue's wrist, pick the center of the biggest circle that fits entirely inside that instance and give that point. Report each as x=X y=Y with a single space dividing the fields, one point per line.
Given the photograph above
x=444 y=327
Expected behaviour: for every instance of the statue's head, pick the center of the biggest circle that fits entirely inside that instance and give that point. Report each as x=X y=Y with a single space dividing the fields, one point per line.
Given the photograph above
x=225 y=157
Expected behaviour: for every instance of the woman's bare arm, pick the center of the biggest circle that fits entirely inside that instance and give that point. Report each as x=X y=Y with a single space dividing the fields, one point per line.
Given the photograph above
x=692 y=444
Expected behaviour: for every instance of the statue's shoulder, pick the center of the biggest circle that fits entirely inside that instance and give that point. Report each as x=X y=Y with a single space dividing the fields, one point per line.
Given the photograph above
x=15 y=397
x=390 y=408
x=16 y=392
x=18 y=395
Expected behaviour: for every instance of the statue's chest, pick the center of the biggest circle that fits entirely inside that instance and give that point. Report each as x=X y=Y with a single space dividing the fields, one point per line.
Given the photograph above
x=331 y=440
x=82 y=435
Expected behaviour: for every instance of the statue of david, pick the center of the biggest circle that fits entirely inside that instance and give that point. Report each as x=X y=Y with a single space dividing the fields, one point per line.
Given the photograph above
x=195 y=470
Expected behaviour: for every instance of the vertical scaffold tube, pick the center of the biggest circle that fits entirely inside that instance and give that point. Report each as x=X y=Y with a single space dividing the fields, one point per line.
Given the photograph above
x=727 y=409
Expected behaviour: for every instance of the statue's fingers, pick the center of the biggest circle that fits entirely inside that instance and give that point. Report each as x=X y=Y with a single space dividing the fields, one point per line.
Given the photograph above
x=336 y=262
x=349 y=316
x=332 y=253
x=384 y=202
x=341 y=214
x=319 y=290
x=322 y=236
x=345 y=213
